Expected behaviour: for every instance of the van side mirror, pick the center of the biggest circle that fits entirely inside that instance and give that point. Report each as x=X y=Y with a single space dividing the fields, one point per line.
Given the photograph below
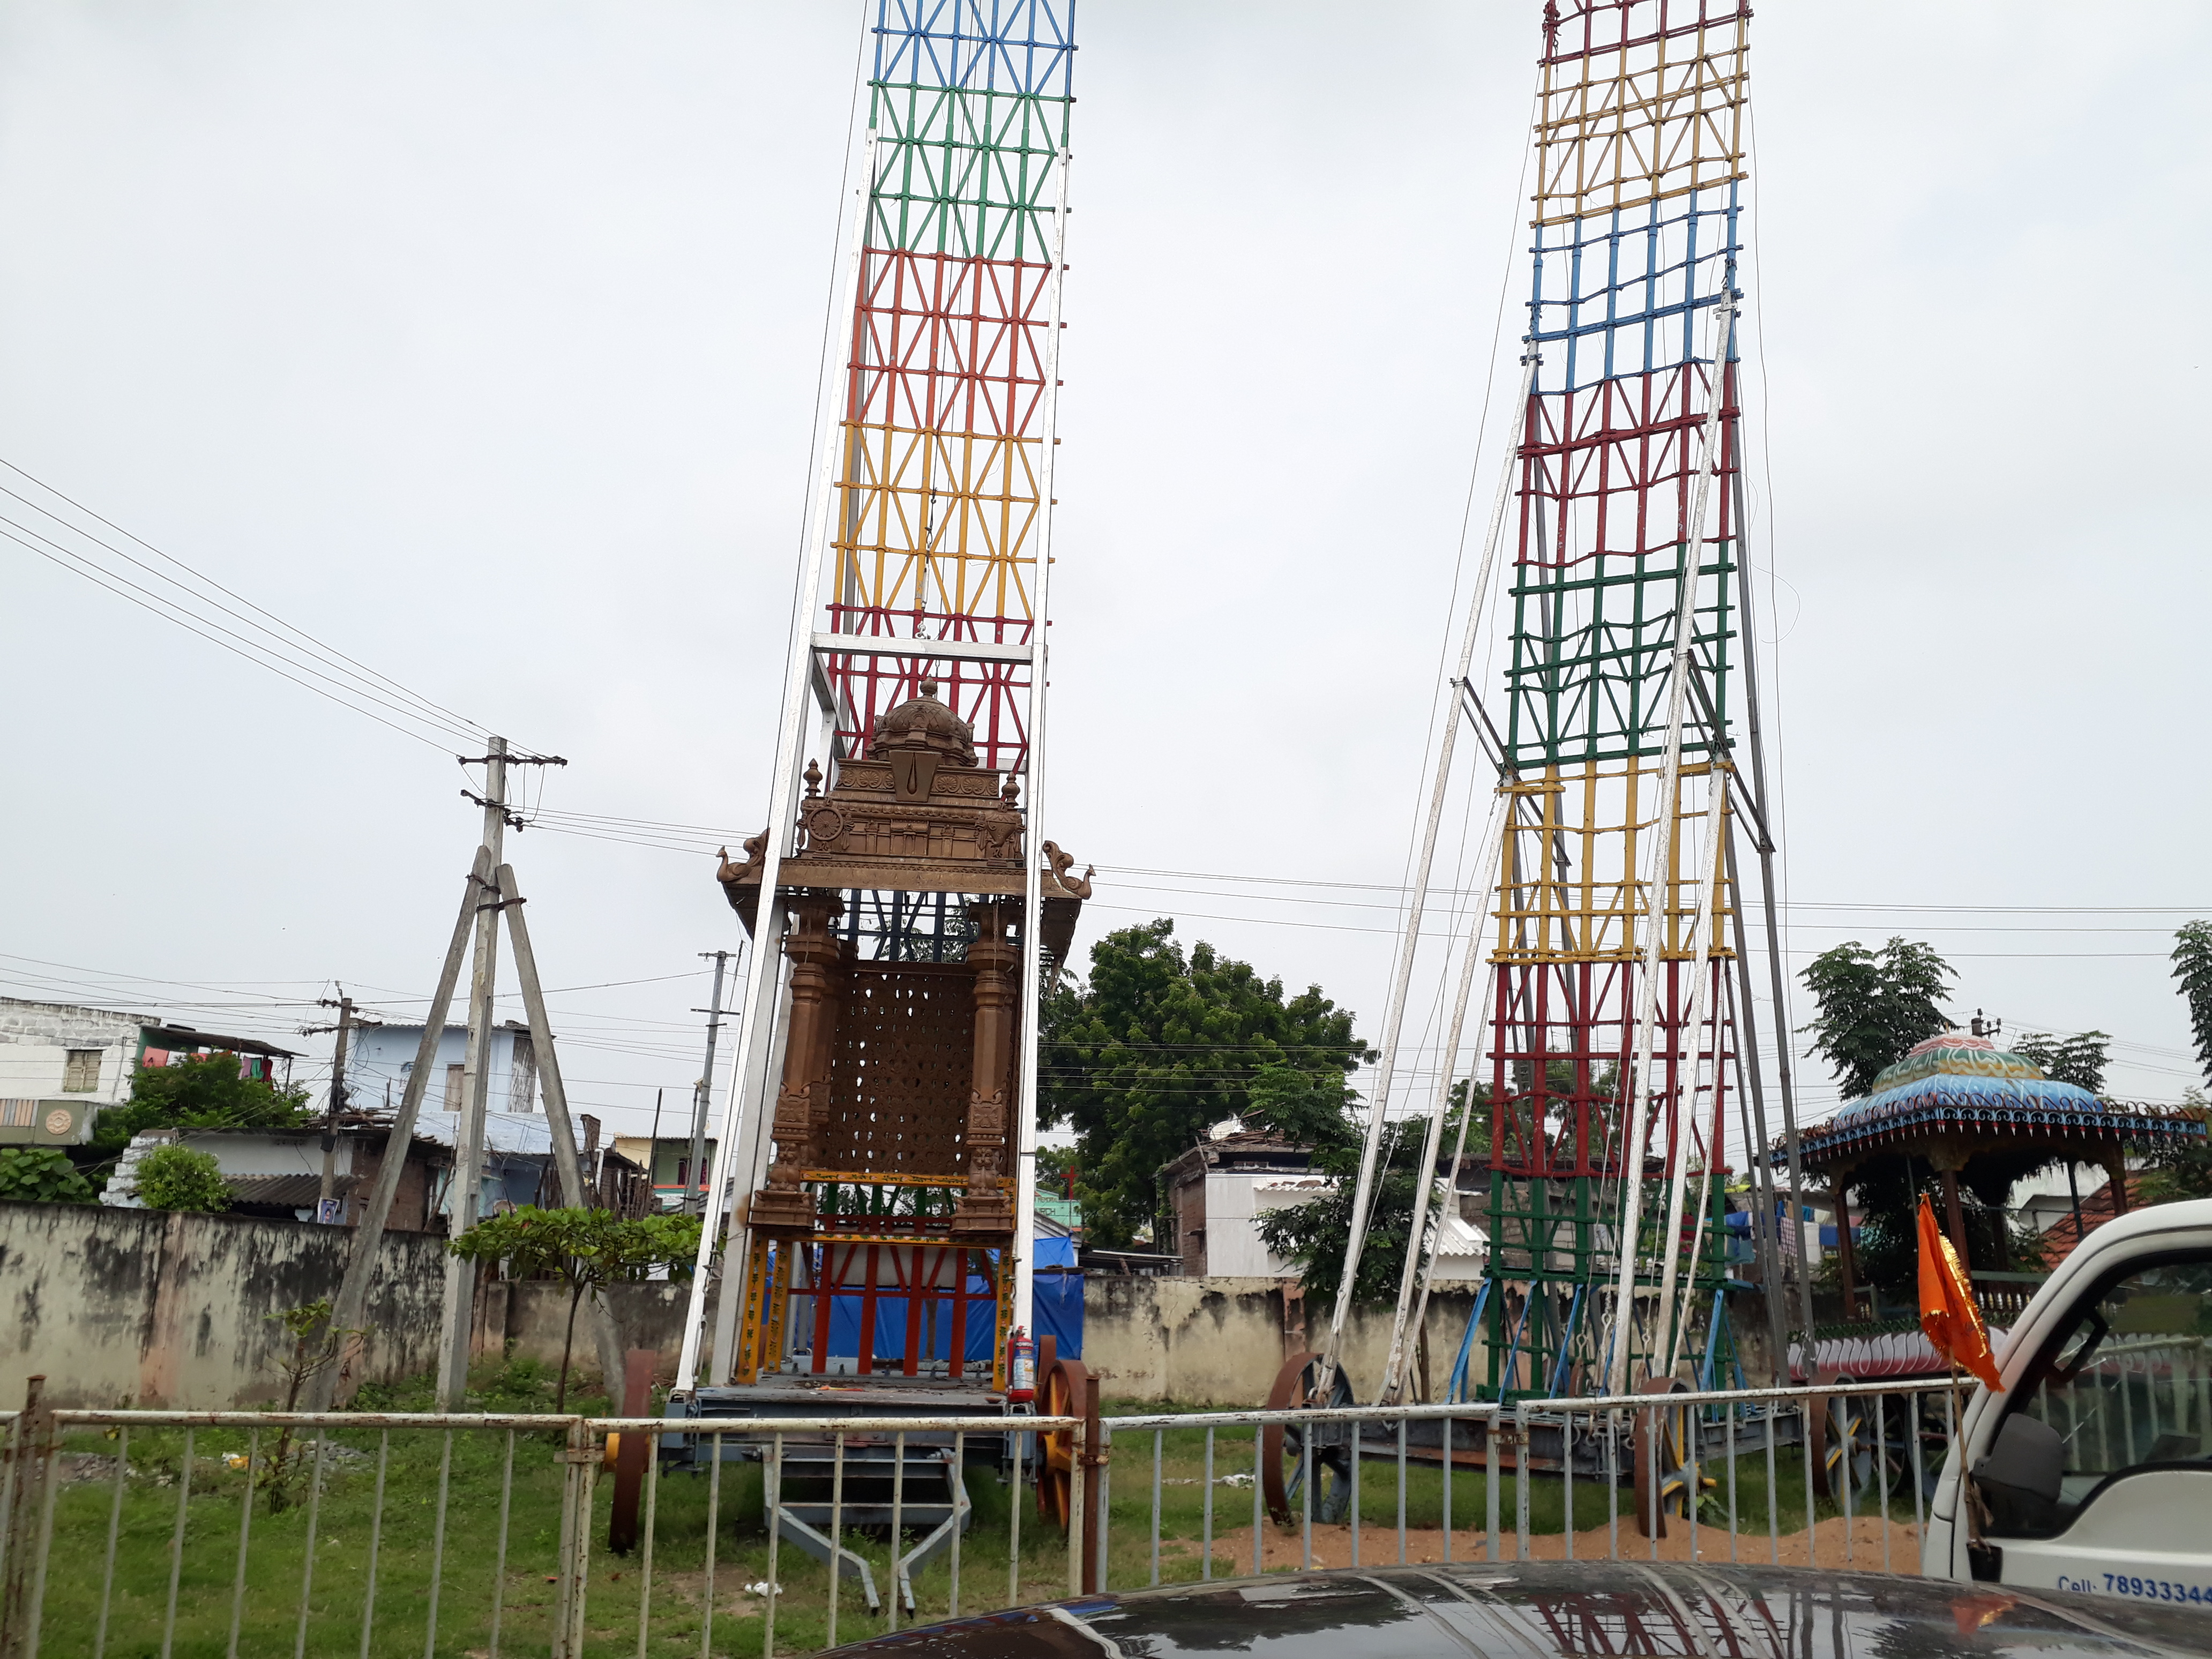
x=2019 y=1481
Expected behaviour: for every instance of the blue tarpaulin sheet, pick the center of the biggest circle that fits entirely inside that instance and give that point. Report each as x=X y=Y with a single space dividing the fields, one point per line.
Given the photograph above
x=1057 y=1299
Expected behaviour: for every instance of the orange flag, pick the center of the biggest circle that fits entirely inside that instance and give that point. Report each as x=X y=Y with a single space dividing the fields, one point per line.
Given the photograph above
x=1948 y=1310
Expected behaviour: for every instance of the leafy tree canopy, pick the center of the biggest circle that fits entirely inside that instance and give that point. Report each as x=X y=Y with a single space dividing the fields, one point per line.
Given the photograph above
x=2080 y=1061
x=1313 y=1236
x=1056 y=1166
x=2181 y=1167
x=2192 y=966
x=584 y=1249
x=1873 y=1007
x=41 y=1175
x=178 y=1178
x=1157 y=1047
x=206 y=1093
x=591 y=1247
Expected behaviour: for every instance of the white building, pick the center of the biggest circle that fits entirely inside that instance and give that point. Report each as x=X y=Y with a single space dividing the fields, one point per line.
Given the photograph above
x=60 y=1063
x=380 y=1059
x=1217 y=1192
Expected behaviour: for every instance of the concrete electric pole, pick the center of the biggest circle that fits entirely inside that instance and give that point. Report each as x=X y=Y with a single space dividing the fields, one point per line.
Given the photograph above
x=490 y=890
x=337 y=1100
x=702 y=1096
x=476 y=1072
x=476 y=1085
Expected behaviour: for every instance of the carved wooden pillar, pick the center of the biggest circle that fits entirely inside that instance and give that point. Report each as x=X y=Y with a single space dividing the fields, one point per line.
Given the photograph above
x=802 y=1101
x=1846 y=1257
x=1956 y=1217
x=986 y=1208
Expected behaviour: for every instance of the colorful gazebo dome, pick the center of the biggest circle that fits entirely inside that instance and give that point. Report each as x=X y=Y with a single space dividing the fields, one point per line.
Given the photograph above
x=1958 y=1095
x=1980 y=1118
x=1960 y=1071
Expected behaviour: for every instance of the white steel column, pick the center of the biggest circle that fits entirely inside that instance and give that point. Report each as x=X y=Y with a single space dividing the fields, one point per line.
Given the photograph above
x=1032 y=841
x=1703 y=927
x=750 y=1170
x=1418 y=1258
x=755 y=1091
x=1394 y=1016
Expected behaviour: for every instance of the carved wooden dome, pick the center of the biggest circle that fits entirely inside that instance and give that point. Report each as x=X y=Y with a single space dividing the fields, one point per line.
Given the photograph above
x=926 y=723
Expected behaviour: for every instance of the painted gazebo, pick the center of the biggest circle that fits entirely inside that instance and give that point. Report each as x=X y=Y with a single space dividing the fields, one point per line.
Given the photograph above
x=1981 y=1118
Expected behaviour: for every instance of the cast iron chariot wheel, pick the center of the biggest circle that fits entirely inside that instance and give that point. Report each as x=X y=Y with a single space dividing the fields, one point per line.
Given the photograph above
x=1283 y=1446
x=1061 y=1389
x=1660 y=1444
x=1862 y=1452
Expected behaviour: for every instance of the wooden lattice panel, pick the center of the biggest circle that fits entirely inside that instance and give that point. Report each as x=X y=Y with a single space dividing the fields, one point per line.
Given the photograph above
x=902 y=1071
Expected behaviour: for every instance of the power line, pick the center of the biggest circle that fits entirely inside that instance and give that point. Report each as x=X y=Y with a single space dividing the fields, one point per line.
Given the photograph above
x=697 y=838
x=280 y=646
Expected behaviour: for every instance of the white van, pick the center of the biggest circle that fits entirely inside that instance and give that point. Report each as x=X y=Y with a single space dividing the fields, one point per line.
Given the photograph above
x=2094 y=1464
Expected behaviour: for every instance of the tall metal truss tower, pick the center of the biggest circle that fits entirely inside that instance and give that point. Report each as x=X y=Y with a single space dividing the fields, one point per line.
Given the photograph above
x=927 y=558
x=940 y=493
x=1617 y=1035
x=1606 y=983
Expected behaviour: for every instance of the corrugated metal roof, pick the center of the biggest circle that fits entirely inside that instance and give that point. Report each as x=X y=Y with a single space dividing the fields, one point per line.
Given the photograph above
x=184 y=1036
x=297 y=1192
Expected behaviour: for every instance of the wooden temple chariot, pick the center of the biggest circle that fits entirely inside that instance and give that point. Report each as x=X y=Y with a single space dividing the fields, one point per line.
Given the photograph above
x=893 y=1169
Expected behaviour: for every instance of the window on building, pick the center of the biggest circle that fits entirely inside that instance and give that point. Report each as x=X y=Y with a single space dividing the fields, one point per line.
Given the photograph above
x=80 y=1071
x=682 y=1169
x=522 y=1076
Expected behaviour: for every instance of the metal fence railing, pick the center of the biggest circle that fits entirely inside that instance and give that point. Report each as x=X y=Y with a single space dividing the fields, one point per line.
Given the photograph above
x=372 y=1533
x=1831 y=1476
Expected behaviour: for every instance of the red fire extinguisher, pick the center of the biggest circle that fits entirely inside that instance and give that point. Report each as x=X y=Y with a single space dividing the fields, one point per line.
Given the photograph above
x=1021 y=1368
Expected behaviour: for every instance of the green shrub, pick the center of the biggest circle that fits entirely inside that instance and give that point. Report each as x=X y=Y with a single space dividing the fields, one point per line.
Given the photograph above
x=207 y=1091
x=584 y=1249
x=41 y=1175
x=178 y=1178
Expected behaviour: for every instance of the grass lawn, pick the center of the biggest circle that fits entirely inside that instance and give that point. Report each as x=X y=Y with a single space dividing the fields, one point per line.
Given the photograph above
x=348 y=1535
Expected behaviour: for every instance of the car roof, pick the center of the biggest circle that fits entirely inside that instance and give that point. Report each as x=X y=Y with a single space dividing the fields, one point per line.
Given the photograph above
x=1536 y=1610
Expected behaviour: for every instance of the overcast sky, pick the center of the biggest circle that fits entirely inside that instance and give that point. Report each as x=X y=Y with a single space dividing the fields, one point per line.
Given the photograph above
x=482 y=341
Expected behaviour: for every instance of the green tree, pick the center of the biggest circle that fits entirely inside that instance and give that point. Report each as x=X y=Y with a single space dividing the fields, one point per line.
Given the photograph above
x=2181 y=1167
x=584 y=1249
x=1055 y=1165
x=206 y=1093
x=2080 y=1061
x=41 y=1175
x=317 y=1345
x=1873 y=1007
x=2192 y=966
x=1314 y=1236
x=1157 y=1047
x=178 y=1178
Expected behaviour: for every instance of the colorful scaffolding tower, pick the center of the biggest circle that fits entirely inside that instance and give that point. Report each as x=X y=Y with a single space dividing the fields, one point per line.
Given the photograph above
x=927 y=573
x=1610 y=981
x=1611 y=990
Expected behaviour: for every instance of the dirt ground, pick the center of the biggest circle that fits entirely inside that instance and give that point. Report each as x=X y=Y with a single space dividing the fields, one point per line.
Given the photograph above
x=1378 y=1546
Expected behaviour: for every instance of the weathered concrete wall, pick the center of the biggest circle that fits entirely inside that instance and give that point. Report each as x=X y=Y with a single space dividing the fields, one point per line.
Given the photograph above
x=150 y=1307
x=1221 y=1340
x=529 y=1322
x=146 y=1307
